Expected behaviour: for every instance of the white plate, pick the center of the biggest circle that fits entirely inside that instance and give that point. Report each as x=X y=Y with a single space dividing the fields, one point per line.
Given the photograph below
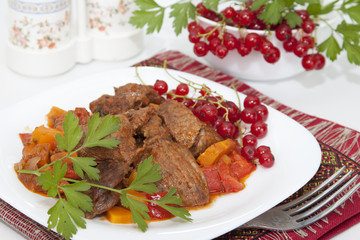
x=296 y=151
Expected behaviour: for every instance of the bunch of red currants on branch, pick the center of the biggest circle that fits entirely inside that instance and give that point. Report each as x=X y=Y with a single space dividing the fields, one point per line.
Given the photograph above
x=298 y=40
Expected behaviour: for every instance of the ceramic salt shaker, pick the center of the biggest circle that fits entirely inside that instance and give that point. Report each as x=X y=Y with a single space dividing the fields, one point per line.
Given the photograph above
x=40 y=37
x=113 y=38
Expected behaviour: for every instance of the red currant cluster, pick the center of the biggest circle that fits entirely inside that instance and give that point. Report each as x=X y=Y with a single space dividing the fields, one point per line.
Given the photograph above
x=225 y=116
x=219 y=42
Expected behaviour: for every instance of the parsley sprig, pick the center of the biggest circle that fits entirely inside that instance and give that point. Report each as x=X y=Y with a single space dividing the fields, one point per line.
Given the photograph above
x=343 y=37
x=67 y=215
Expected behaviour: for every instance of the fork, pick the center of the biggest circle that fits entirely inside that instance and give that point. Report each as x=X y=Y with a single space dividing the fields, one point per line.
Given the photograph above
x=300 y=213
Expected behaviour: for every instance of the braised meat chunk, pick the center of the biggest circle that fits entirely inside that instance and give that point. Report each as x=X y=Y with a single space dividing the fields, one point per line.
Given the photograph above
x=112 y=172
x=129 y=96
x=180 y=170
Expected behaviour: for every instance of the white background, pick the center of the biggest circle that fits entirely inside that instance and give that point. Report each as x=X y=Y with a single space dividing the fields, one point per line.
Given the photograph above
x=332 y=94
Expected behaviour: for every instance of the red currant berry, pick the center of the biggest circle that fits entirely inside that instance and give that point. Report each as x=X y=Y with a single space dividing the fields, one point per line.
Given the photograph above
x=303 y=14
x=161 y=87
x=260 y=150
x=262 y=112
x=249 y=140
x=230 y=42
x=257 y=24
x=248 y=115
x=205 y=91
x=214 y=33
x=243 y=49
x=233 y=111
x=289 y=44
x=227 y=129
x=308 y=62
x=213 y=44
x=188 y=102
x=309 y=41
x=207 y=112
x=191 y=26
x=251 y=101
x=201 y=9
x=266 y=47
x=252 y=40
x=319 y=61
x=170 y=96
x=201 y=49
x=267 y=160
x=300 y=49
x=182 y=89
x=243 y=17
x=194 y=36
x=259 y=129
x=273 y=56
x=229 y=12
x=248 y=152
x=221 y=51
x=308 y=26
x=217 y=121
x=283 y=32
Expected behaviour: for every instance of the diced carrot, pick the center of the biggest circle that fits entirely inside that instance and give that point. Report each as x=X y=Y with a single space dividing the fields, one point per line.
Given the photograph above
x=240 y=167
x=215 y=151
x=54 y=114
x=119 y=215
x=43 y=134
x=213 y=179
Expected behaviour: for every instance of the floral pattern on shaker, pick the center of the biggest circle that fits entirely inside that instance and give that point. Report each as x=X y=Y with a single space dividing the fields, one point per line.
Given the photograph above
x=29 y=34
x=102 y=18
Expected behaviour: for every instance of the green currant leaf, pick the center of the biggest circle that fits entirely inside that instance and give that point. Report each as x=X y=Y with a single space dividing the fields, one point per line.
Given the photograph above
x=331 y=46
x=351 y=32
x=314 y=9
x=153 y=19
x=87 y=165
x=306 y=2
x=328 y=8
x=146 y=4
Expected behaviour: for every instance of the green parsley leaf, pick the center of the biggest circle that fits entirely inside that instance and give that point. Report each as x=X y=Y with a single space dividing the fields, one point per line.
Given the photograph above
x=353 y=52
x=293 y=19
x=351 y=32
x=139 y=211
x=170 y=198
x=331 y=46
x=211 y=4
x=257 y=4
x=66 y=218
x=181 y=12
x=72 y=133
x=87 y=165
x=99 y=129
x=76 y=198
x=150 y=15
x=49 y=181
x=353 y=13
x=147 y=174
x=272 y=13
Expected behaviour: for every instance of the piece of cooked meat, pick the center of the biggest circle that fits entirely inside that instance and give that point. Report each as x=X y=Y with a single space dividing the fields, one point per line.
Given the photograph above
x=186 y=128
x=129 y=96
x=206 y=137
x=112 y=172
x=181 y=122
x=180 y=170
